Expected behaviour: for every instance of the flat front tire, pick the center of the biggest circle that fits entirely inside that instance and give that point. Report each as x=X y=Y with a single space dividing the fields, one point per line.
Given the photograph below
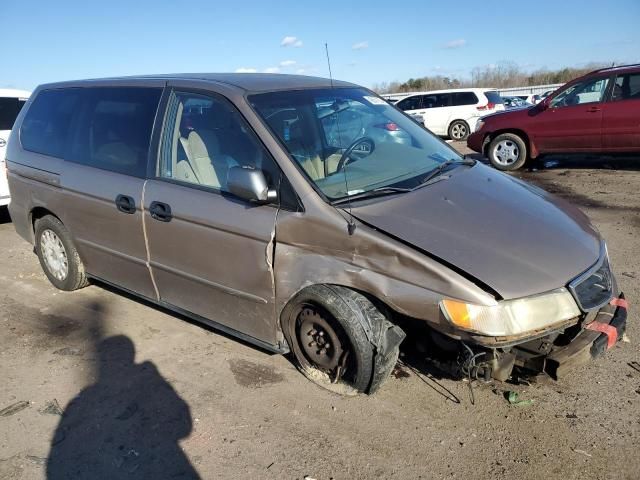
x=323 y=326
x=58 y=255
x=507 y=152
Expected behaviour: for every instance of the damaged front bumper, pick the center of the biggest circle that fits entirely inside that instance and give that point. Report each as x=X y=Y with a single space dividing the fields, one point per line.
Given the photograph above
x=558 y=352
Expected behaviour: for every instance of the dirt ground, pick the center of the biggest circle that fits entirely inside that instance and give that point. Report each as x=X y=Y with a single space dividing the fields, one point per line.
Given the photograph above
x=193 y=403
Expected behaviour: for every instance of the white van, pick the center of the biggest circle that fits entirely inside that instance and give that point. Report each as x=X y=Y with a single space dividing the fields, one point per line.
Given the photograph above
x=11 y=102
x=452 y=113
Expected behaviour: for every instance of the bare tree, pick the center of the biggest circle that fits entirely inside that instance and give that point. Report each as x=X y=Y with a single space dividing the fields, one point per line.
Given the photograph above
x=501 y=75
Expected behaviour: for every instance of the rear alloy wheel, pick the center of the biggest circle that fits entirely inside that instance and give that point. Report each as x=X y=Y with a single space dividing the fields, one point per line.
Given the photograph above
x=57 y=254
x=458 y=130
x=507 y=152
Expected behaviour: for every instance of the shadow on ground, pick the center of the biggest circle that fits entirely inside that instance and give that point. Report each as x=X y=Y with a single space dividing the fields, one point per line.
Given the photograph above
x=127 y=424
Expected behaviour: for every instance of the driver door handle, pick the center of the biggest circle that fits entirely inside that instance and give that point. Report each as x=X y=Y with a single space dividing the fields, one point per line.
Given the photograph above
x=593 y=109
x=160 y=211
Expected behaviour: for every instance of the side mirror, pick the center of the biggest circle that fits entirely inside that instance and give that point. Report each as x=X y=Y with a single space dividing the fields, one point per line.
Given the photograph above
x=250 y=184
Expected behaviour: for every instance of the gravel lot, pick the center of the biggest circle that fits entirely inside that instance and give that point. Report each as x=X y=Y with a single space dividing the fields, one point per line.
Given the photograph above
x=212 y=407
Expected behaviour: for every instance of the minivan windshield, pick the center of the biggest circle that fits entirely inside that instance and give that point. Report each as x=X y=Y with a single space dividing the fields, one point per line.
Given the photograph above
x=349 y=141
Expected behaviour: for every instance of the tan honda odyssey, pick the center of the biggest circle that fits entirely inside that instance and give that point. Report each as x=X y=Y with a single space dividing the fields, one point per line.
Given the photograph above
x=308 y=217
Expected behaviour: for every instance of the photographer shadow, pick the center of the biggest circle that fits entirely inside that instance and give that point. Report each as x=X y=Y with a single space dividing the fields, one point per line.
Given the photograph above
x=126 y=425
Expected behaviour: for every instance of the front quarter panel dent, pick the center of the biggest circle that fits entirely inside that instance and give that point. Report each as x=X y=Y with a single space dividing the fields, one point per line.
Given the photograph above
x=310 y=252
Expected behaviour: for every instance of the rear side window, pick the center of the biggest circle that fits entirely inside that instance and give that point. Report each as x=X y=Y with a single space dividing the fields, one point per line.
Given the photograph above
x=112 y=129
x=9 y=109
x=627 y=87
x=45 y=128
x=495 y=98
x=411 y=103
x=464 y=98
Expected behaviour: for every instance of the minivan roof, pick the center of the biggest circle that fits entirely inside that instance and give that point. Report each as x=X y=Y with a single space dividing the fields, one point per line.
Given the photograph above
x=250 y=82
x=453 y=90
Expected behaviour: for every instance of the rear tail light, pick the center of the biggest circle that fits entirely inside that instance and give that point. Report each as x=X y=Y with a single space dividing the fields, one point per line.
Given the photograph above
x=488 y=106
x=389 y=126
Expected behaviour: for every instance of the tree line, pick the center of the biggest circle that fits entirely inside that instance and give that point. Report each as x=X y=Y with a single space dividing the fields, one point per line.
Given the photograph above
x=503 y=75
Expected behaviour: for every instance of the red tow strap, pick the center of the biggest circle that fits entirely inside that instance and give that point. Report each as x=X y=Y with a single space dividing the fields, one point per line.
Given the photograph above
x=608 y=330
x=620 y=302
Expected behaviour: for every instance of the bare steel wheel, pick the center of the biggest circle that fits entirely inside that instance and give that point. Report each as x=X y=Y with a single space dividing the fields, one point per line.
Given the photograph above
x=320 y=341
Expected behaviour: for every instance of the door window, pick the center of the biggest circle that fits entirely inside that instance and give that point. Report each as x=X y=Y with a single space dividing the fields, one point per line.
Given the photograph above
x=204 y=137
x=112 y=130
x=437 y=100
x=411 y=103
x=587 y=91
x=627 y=87
x=45 y=128
x=9 y=110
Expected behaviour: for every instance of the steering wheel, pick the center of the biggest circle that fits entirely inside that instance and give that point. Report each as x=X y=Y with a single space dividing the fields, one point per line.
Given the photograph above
x=346 y=156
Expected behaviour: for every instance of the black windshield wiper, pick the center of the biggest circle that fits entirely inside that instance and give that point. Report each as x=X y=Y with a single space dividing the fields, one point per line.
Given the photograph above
x=376 y=192
x=442 y=167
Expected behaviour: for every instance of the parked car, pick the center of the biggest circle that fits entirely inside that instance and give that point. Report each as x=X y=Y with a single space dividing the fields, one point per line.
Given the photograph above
x=226 y=198
x=546 y=94
x=11 y=102
x=531 y=99
x=596 y=113
x=514 y=102
x=452 y=113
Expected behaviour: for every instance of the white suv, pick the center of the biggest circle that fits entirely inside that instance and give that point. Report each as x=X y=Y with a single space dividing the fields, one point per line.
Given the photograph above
x=452 y=113
x=11 y=102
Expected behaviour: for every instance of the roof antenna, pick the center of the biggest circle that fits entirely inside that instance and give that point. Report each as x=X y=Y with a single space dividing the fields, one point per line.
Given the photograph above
x=351 y=224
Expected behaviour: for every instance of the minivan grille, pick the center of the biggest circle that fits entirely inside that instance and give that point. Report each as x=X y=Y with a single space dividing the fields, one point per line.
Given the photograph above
x=594 y=288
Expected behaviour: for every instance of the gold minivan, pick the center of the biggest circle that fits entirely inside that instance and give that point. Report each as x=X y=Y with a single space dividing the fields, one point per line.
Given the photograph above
x=307 y=216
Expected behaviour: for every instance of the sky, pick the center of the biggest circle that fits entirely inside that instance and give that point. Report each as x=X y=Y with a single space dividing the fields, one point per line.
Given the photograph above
x=369 y=41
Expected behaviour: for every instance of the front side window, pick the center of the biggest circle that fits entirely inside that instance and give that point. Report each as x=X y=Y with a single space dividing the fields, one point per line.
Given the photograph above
x=348 y=141
x=627 y=87
x=587 y=91
x=45 y=128
x=204 y=137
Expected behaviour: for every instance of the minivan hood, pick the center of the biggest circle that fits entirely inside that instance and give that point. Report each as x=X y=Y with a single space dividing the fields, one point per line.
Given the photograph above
x=514 y=237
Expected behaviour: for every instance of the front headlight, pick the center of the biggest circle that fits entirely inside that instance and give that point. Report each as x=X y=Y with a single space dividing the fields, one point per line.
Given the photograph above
x=479 y=125
x=512 y=317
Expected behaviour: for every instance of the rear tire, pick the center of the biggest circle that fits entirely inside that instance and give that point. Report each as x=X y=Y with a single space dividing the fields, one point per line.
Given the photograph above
x=322 y=312
x=458 y=130
x=507 y=152
x=58 y=256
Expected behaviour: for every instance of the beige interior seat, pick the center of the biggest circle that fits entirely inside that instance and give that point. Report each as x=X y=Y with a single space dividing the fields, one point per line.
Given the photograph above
x=200 y=149
x=313 y=167
x=202 y=163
